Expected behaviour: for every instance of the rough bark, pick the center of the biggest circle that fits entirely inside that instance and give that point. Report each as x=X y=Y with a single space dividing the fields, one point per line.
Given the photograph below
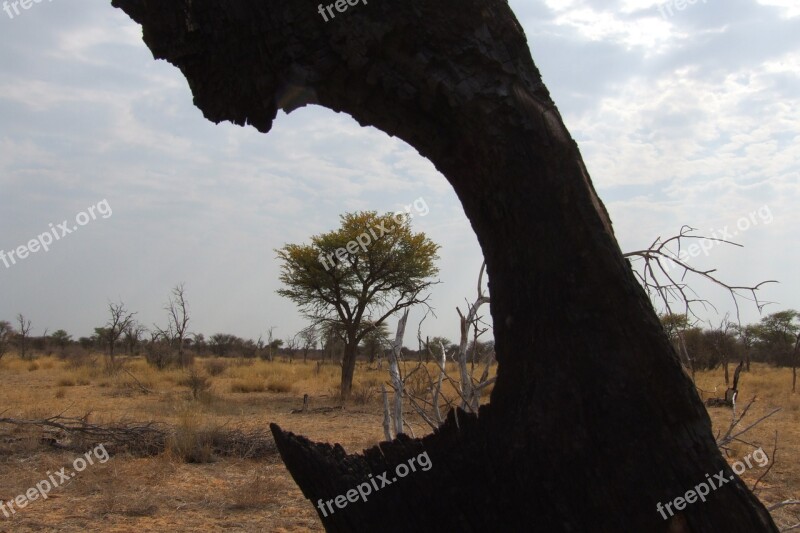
x=591 y=421
x=348 y=367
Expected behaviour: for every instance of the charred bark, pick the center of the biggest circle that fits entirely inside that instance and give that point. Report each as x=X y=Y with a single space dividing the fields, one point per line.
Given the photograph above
x=592 y=421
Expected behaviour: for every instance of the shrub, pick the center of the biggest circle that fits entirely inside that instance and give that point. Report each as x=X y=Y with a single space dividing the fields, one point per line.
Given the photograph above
x=190 y=443
x=418 y=385
x=78 y=358
x=216 y=367
x=363 y=394
x=159 y=356
x=196 y=382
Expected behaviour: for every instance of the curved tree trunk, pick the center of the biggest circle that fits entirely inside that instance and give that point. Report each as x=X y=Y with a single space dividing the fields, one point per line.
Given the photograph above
x=592 y=421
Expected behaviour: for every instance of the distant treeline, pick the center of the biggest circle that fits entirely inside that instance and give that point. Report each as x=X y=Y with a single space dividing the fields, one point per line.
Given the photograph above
x=773 y=340
x=161 y=350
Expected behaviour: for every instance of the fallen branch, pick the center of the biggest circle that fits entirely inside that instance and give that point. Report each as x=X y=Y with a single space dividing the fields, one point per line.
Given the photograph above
x=144 y=439
x=784 y=503
x=139 y=383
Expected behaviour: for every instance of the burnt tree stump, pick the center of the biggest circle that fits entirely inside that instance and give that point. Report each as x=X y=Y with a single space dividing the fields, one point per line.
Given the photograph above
x=592 y=421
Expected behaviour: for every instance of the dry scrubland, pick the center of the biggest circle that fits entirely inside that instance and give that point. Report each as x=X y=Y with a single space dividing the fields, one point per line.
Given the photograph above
x=169 y=493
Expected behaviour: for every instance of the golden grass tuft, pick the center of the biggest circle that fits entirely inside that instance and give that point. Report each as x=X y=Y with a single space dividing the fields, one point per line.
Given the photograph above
x=191 y=442
x=255 y=494
x=279 y=385
x=248 y=385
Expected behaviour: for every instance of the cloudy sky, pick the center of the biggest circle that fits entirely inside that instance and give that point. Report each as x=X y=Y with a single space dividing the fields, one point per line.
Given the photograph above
x=684 y=116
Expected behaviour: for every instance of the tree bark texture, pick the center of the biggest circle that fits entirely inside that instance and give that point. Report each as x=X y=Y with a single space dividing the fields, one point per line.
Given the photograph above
x=348 y=368
x=592 y=421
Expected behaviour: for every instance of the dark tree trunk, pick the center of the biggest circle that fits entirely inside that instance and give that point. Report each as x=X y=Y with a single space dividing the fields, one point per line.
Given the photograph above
x=348 y=367
x=592 y=421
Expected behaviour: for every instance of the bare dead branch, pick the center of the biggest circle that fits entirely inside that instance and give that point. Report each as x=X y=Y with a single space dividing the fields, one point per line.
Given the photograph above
x=771 y=463
x=139 y=383
x=656 y=278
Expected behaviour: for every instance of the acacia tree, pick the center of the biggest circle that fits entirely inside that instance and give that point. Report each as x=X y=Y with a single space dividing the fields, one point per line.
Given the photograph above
x=723 y=342
x=376 y=342
x=588 y=387
x=747 y=334
x=436 y=347
x=61 y=339
x=358 y=276
x=777 y=334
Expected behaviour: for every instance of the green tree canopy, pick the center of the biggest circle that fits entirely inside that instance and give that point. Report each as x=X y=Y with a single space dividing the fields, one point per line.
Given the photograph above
x=358 y=276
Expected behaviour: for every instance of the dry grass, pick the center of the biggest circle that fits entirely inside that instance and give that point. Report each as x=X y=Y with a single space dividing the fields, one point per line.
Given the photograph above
x=188 y=488
x=249 y=384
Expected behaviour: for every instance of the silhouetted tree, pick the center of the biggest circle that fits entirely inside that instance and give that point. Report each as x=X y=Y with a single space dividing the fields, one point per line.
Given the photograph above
x=586 y=374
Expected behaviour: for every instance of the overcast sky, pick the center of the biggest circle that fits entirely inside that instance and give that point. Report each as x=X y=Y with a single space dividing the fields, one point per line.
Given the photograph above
x=684 y=116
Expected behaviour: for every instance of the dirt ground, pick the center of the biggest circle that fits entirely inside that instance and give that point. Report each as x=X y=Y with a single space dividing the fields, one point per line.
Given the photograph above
x=165 y=493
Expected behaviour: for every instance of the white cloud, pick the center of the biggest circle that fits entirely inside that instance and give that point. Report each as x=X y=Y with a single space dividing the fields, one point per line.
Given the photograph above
x=789 y=8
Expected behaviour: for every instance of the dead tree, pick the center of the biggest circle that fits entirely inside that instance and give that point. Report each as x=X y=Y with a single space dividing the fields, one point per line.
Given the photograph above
x=23 y=334
x=308 y=338
x=292 y=345
x=469 y=388
x=393 y=420
x=119 y=321
x=589 y=387
x=730 y=394
x=471 y=397
x=178 y=312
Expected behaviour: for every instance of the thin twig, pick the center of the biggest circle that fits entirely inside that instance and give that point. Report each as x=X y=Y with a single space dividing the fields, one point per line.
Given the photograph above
x=771 y=463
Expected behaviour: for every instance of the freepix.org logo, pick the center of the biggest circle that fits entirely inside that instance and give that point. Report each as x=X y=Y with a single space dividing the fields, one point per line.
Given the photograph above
x=55 y=233
x=12 y=8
